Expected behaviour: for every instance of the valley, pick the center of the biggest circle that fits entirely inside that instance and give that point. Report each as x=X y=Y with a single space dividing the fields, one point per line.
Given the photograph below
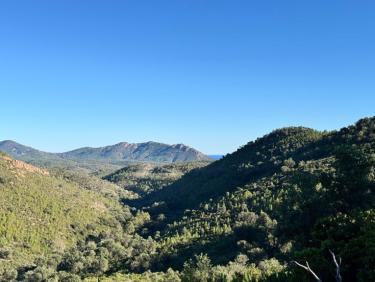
x=173 y=214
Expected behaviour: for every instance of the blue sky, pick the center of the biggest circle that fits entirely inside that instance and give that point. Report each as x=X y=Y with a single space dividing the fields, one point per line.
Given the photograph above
x=212 y=74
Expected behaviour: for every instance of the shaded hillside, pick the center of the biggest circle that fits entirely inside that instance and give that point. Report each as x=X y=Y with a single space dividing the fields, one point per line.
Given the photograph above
x=294 y=194
x=146 y=178
x=254 y=160
x=257 y=159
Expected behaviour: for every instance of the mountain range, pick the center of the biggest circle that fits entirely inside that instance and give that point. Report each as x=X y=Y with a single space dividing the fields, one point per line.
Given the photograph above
x=110 y=157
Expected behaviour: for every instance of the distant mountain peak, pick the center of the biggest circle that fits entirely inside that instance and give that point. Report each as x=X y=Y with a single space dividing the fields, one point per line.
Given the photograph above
x=8 y=142
x=122 y=144
x=150 y=151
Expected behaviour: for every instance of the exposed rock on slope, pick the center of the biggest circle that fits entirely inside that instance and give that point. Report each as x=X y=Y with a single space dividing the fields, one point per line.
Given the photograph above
x=108 y=158
x=150 y=151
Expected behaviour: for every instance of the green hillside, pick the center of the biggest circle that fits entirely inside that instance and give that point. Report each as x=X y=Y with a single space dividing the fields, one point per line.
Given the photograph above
x=145 y=178
x=257 y=159
x=293 y=194
x=42 y=215
x=93 y=183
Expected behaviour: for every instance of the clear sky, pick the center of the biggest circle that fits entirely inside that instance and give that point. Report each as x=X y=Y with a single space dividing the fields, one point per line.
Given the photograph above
x=212 y=74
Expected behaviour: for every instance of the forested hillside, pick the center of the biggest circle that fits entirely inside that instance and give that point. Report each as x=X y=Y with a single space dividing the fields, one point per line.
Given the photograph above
x=144 y=178
x=257 y=159
x=42 y=216
x=295 y=194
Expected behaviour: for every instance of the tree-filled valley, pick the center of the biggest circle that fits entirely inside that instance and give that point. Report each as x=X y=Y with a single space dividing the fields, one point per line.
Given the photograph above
x=281 y=208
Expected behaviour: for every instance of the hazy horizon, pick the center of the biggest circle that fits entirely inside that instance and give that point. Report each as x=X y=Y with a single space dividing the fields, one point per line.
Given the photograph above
x=135 y=142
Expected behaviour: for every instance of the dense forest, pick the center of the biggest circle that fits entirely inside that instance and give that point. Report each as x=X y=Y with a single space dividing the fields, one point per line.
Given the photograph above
x=285 y=207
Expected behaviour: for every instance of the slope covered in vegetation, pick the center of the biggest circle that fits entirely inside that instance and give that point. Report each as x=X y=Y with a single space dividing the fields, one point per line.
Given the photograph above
x=293 y=195
x=145 y=178
x=42 y=215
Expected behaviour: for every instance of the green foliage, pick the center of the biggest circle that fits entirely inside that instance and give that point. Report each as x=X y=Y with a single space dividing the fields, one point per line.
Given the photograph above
x=146 y=178
x=95 y=184
x=267 y=200
x=251 y=162
x=295 y=194
x=41 y=214
x=201 y=270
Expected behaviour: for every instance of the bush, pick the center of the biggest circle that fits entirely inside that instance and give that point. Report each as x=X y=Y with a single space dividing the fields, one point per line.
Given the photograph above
x=5 y=253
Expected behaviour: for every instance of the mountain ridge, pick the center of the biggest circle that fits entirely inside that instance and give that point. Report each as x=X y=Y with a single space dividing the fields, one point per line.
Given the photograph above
x=112 y=154
x=294 y=194
x=144 y=151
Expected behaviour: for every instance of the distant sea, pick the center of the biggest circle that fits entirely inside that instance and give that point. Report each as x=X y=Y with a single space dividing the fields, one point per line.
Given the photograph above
x=216 y=157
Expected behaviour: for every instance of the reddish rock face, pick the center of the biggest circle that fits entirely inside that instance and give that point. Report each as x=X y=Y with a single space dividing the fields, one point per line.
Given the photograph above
x=21 y=167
